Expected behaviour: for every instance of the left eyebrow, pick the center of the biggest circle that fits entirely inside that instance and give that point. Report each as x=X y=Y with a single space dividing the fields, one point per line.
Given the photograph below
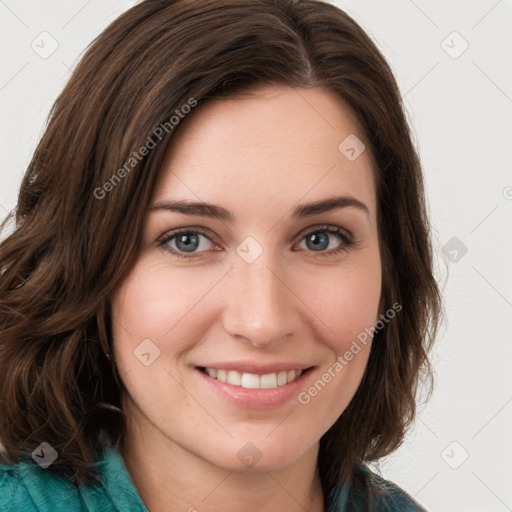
x=299 y=212
x=325 y=205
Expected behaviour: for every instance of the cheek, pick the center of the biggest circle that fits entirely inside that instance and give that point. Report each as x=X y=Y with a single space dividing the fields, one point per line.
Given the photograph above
x=156 y=302
x=350 y=312
x=157 y=316
x=346 y=301
x=150 y=330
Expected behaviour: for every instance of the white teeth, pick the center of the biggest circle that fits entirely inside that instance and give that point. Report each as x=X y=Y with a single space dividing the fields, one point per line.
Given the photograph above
x=253 y=381
x=282 y=378
x=269 y=380
x=234 y=378
x=250 y=381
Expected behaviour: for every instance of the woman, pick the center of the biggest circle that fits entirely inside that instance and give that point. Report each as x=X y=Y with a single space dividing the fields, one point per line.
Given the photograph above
x=218 y=294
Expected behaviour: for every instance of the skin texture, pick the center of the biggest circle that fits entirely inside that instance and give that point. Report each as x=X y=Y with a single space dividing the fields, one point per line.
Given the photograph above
x=258 y=156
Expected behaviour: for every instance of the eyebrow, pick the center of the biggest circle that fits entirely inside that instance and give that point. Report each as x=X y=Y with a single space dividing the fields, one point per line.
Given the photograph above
x=299 y=212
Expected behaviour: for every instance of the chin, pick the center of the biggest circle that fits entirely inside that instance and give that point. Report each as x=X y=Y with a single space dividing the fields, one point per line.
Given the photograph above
x=258 y=456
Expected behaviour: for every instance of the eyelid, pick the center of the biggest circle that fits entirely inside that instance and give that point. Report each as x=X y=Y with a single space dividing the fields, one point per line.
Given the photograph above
x=326 y=227
x=175 y=232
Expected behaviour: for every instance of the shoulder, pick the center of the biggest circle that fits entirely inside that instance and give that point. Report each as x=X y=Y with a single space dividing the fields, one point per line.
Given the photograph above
x=370 y=492
x=25 y=486
x=12 y=495
x=389 y=496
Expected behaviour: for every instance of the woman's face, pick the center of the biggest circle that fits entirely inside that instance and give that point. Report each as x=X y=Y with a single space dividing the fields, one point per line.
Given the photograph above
x=259 y=283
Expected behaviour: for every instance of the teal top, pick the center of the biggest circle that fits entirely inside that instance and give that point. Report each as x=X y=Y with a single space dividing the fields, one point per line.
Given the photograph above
x=26 y=487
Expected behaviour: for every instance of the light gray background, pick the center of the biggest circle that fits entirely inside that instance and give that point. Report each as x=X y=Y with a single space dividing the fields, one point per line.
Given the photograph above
x=461 y=113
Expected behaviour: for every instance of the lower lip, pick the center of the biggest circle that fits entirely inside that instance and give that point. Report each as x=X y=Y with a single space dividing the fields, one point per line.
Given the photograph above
x=255 y=398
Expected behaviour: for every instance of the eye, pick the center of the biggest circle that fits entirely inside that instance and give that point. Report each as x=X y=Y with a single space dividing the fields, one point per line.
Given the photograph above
x=185 y=243
x=324 y=237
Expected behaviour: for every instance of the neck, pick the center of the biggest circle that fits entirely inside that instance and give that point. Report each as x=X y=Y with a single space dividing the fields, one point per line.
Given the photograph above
x=167 y=476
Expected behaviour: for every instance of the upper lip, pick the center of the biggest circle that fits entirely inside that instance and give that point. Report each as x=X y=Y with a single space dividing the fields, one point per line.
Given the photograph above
x=258 y=369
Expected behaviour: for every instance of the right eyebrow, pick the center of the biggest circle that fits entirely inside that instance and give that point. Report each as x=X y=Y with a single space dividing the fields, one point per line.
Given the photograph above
x=187 y=208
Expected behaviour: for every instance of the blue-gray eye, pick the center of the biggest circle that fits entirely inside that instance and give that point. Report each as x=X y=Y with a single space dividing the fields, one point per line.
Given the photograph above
x=317 y=242
x=187 y=242
x=320 y=239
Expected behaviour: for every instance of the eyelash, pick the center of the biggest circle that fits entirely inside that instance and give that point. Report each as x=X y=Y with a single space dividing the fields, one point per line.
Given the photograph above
x=347 y=242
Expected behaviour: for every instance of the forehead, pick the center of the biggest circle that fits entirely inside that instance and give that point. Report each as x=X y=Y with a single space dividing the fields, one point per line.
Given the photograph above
x=271 y=147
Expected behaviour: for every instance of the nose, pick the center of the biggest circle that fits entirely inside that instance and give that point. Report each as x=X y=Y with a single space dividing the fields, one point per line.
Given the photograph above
x=260 y=303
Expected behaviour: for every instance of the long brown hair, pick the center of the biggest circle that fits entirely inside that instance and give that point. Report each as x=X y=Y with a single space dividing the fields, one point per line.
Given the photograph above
x=79 y=218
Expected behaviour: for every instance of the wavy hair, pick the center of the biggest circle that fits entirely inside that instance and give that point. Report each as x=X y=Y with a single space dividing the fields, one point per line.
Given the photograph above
x=70 y=248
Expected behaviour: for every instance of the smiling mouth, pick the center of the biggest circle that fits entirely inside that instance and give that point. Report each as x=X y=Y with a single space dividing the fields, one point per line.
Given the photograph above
x=252 y=380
